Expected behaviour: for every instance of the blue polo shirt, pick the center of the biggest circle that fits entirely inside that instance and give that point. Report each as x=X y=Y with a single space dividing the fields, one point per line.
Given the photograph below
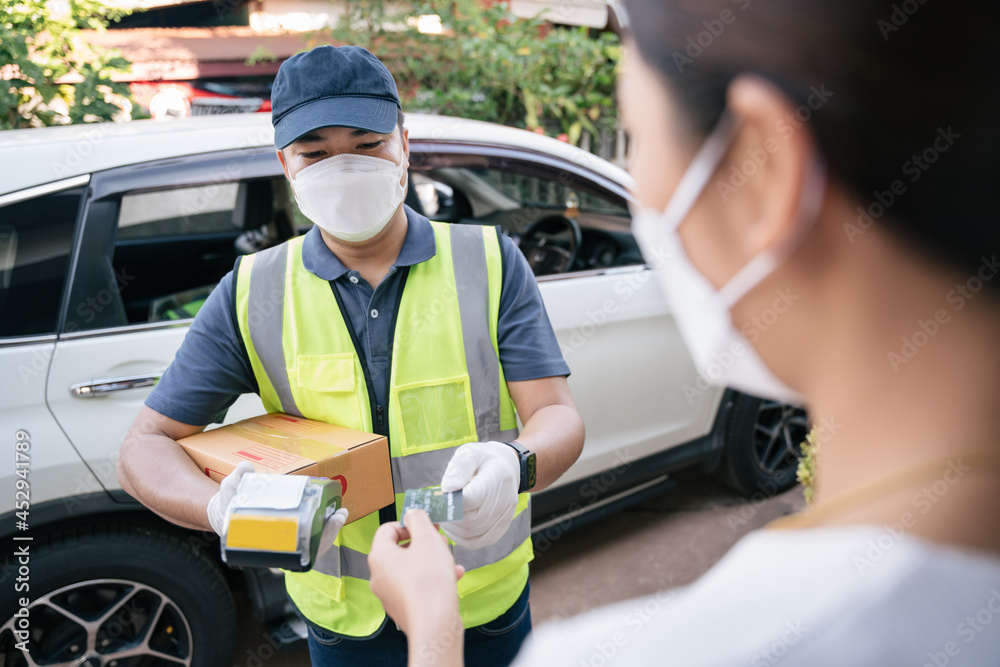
x=211 y=369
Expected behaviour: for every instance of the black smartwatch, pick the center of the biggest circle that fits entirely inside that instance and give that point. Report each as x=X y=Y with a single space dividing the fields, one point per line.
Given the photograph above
x=527 y=460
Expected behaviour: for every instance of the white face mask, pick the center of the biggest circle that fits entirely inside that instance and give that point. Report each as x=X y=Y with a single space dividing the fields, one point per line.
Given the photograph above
x=352 y=197
x=722 y=355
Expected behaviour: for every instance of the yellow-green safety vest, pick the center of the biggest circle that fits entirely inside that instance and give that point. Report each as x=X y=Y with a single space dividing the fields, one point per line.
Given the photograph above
x=446 y=388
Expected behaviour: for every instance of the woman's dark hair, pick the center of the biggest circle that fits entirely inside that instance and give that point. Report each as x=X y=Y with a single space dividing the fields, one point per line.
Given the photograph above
x=903 y=92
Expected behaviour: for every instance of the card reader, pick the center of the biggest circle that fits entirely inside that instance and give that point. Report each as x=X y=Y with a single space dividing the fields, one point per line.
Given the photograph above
x=277 y=520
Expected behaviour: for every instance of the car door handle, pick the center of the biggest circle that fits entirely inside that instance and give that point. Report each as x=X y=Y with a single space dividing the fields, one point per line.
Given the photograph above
x=102 y=387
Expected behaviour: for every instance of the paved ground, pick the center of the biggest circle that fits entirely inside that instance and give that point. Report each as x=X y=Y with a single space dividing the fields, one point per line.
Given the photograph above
x=661 y=544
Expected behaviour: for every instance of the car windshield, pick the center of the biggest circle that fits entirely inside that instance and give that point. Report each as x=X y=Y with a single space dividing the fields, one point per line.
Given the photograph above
x=531 y=190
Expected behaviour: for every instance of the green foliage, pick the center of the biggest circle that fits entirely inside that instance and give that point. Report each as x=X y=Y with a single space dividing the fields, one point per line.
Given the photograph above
x=490 y=65
x=39 y=46
x=806 y=472
x=261 y=55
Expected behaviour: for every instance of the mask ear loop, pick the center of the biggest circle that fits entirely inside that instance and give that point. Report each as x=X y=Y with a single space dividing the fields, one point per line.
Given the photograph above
x=700 y=171
x=807 y=212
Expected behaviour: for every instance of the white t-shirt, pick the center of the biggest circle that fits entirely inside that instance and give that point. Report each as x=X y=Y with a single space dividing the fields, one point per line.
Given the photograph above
x=824 y=596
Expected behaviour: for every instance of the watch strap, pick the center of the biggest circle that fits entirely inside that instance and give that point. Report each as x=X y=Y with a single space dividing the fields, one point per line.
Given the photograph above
x=526 y=459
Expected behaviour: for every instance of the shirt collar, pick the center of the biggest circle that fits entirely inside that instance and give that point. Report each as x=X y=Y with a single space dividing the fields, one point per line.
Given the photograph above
x=418 y=246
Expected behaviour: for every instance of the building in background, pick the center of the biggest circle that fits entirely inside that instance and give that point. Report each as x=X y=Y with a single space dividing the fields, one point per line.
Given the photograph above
x=591 y=13
x=197 y=57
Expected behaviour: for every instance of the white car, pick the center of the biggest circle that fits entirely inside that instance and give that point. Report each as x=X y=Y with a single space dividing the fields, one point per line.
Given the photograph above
x=110 y=237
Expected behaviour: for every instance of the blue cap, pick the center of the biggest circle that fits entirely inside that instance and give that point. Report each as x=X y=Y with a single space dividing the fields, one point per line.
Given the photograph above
x=332 y=86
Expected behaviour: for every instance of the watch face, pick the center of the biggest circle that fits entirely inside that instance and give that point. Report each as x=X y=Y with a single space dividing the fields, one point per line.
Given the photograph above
x=531 y=471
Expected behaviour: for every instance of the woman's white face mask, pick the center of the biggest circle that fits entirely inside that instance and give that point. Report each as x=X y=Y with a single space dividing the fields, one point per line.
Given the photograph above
x=721 y=354
x=352 y=197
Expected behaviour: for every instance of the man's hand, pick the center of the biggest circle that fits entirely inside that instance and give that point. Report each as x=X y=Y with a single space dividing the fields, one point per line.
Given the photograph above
x=488 y=473
x=416 y=581
x=219 y=503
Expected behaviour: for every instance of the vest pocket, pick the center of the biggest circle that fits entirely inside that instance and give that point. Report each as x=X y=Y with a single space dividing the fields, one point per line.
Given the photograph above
x=326 y=372
x=326 y=388
x=434 y=414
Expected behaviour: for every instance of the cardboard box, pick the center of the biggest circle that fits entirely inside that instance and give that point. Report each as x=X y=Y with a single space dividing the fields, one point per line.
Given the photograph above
x=286 y=445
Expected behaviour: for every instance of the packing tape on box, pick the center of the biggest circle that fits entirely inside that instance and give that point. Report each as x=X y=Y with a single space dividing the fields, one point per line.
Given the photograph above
x=271 y=446
x=302 y=446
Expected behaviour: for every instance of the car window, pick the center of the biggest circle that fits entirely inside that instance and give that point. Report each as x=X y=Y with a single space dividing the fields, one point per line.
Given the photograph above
x=547 y=192
x=35 y=240
x=172 y=248
x=169 y=248
x=516 y=193
x=205 y=209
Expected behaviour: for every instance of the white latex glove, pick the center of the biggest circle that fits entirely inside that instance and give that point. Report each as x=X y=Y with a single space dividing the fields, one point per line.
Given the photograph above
x=331 y=527
x=219 y=503
x=327 y=560
x=488 y=473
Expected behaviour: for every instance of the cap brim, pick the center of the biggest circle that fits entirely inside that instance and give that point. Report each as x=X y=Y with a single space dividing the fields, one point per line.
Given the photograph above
x=373 y=114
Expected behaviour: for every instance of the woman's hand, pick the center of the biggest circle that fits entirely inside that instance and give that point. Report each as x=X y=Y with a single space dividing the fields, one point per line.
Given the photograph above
x=416 y=584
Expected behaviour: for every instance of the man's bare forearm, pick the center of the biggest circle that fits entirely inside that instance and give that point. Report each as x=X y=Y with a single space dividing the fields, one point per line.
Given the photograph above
x=555 y=433
x=552 y=429
x=157 y=472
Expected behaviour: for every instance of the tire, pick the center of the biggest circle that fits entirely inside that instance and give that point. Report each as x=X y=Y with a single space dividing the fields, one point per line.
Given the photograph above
x=122 y=596
x=763 y=443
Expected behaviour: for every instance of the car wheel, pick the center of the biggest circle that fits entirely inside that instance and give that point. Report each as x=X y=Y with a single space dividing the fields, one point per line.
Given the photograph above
x=120 y=596
x=763 y=445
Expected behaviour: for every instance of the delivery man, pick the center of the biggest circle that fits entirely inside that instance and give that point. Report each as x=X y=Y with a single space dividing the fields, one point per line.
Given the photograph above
x=379 y=320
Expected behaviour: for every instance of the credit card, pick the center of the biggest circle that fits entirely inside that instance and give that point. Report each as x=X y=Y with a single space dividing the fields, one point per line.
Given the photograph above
x=441 y=507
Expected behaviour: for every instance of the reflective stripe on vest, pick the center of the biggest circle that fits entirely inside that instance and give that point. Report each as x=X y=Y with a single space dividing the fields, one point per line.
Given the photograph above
x=338 y=558
x=417 y=471
x=266 y=317
x=448 y=313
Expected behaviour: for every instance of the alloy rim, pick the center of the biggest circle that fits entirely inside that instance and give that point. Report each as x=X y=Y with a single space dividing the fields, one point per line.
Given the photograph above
x=778 y=433
x=100 y=623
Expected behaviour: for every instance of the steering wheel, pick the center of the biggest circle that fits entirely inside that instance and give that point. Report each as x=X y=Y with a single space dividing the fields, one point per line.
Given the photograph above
x=545 y=250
